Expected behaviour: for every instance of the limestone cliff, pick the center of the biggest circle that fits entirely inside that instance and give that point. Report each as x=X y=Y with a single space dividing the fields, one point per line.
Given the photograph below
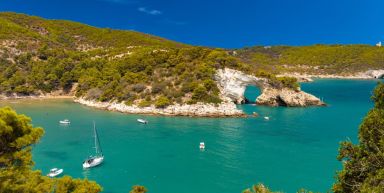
x=232 y=84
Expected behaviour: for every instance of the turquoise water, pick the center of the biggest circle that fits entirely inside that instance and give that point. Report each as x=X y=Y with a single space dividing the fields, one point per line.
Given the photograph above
x=296 y=148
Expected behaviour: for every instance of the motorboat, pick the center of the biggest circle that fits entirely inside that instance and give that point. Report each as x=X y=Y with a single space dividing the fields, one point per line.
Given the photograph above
x=266 y=118
x=98 y=158
x=143 y=121
x=202 y=145
x=54 y=172
x=65 y=121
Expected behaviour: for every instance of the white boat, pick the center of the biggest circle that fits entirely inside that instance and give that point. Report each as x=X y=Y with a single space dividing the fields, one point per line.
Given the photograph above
x=65 y=121
x=98 y=158
x=142 y=121
x=202 y=145
x=266 y=118
x=54 y=172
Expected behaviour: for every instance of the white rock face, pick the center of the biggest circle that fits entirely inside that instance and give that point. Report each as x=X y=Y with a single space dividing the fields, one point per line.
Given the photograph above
x=375 y=73
x=225 y=109
x=232 y=83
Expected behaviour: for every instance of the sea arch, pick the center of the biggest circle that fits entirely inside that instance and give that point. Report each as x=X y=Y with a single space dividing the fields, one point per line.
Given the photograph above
x=233 y=83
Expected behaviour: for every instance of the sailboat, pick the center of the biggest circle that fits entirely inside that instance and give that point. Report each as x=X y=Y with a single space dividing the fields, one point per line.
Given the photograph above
x=98 y=158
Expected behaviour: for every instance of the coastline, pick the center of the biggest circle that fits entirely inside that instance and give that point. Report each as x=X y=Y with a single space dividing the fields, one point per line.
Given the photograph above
x=224 y=109
x=371 y=74
x=36 y=97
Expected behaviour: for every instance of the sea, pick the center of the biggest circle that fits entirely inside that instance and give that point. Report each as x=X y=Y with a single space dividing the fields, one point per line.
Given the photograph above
x=296 y=148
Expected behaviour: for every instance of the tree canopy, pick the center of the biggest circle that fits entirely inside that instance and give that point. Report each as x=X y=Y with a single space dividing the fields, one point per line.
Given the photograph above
x=363 y=163
x=17 y=135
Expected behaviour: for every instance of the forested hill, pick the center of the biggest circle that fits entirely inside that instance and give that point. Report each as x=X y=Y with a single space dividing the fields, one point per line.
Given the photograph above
x=72 y=35
x=314 y=59
x=39 y=56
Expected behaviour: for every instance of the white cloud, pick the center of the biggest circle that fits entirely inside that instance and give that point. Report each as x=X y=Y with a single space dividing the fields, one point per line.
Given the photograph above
x=149 y=11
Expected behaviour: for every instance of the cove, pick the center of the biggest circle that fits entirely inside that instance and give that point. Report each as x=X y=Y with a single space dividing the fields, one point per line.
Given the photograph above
x=296 y=148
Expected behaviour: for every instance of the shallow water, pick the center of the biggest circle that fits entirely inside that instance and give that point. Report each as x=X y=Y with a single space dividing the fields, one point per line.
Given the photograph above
x=296 y=148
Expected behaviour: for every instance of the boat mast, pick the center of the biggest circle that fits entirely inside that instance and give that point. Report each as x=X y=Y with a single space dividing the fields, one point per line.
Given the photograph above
x=94 y=131
x=97 y=142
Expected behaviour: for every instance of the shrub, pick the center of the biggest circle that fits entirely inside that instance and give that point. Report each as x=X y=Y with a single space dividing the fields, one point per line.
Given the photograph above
x=162 y=102
x=158 y=88
x=144 y=103
x=138 y=88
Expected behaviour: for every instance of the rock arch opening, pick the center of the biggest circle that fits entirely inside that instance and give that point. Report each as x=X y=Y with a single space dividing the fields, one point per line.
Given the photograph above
x=251 y=93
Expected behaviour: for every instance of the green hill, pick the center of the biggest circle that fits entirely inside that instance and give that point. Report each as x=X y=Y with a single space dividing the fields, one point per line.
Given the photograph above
x=71 y=35
x=39 y=56
x=314 y=59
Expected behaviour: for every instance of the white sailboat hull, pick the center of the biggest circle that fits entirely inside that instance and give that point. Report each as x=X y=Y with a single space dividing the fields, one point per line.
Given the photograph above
x=92 y=162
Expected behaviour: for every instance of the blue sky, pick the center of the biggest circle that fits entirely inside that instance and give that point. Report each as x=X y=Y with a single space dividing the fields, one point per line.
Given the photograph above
x=224 y=23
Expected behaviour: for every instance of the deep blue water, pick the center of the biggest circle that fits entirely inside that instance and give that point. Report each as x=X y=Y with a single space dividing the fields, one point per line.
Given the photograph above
x=296 y=148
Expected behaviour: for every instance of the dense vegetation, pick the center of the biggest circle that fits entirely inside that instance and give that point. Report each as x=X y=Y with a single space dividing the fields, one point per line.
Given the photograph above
x=40 y=56
x=315 y=59
x=363 y=164
x=16 y=175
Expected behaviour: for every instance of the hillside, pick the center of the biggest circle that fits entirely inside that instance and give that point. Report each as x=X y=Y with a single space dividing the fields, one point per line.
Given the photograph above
x=41 y=56
x=314 y=59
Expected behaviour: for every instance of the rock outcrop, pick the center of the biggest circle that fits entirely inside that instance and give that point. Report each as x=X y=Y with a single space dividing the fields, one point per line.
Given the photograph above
x=287 y=97
x=379 y=74
x=232 y=84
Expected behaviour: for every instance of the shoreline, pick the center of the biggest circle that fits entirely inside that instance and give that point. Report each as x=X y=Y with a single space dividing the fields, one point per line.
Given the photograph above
x=310 y=78
x=224 y=109
x=221 y=110
x=39 y=97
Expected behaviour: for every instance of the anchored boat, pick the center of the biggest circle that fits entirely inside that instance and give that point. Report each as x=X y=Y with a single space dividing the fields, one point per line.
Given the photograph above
x=65 y=121
x=54 y=172
x=98 y=158
x=202 y=145
x=143 y=121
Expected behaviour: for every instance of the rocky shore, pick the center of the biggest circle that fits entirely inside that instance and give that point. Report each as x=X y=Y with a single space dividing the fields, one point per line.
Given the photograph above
x=370 y=74
x=232 y=85
x=225 y=109
x=46 y=96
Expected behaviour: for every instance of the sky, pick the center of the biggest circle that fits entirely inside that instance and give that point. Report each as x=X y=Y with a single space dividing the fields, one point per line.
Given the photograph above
x=224 y=23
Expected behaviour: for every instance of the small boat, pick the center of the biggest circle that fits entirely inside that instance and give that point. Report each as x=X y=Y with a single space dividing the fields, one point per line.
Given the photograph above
x=54 y=172
x=98 y=158
x=202 y=145
x=65 y=121
x=142 y=121
x=266 y=118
